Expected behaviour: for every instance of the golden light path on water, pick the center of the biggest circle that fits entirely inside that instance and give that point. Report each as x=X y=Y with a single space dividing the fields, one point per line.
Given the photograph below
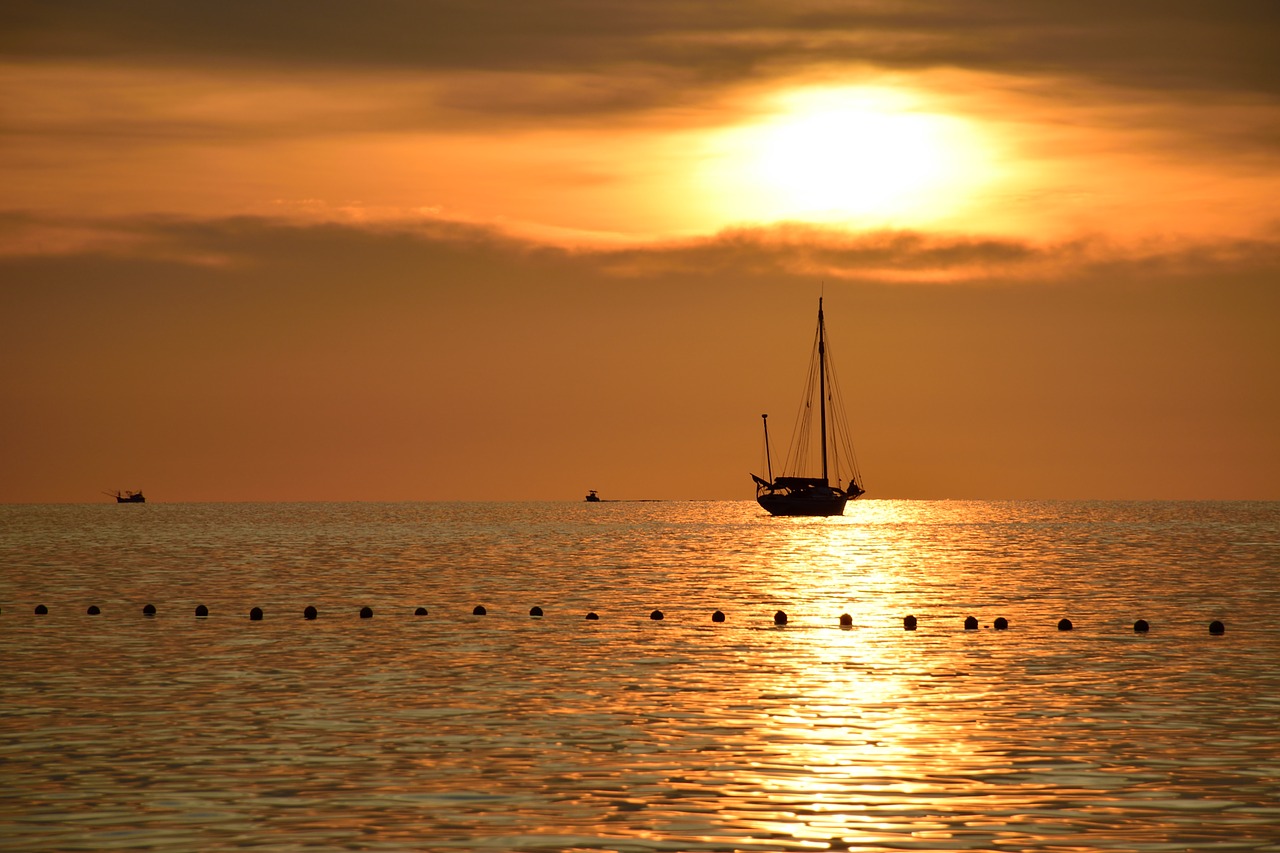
x=504 y=732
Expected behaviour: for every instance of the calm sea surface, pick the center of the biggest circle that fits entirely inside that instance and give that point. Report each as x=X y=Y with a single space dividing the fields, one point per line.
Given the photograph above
x=453 y=731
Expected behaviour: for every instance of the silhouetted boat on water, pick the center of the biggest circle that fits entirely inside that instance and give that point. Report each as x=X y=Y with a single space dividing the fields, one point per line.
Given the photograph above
x=592 y=497
x=127 y=497
x=795 y=493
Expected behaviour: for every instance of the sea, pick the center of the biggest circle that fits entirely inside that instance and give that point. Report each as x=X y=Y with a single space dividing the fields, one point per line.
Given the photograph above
x=776 y=729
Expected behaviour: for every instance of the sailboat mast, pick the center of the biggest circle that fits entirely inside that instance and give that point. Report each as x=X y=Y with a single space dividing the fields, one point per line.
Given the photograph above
x=768 y=457
x=822 y=386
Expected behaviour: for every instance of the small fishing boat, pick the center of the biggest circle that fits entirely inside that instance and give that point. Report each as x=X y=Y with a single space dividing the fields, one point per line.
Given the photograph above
x=127 y=497
x=592 y=497
x=798 y=491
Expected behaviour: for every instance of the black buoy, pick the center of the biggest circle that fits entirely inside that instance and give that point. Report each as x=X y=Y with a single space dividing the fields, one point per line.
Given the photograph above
x=366 y=612
x=478 y=610
x=1216 y=627
x=421 y=611
x=970 y=623
x=846 y=621
x=656 y=615
x=201 y=610
x=1065 y=625
x=93 y=610
x=255 y=615
x=1141 y=627
x=908 y=623
x=41 y=610
x=310 y=612
x=535 y=611
x=779 y=618
x=718 y=616
x=1001 y=623
x=148 y=610
x=591 y=617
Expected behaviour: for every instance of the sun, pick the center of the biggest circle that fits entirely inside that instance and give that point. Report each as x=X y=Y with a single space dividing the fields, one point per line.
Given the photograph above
x=860 y=156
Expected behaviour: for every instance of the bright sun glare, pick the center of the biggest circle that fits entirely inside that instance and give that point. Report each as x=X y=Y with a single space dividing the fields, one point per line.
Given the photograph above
x=849 y=155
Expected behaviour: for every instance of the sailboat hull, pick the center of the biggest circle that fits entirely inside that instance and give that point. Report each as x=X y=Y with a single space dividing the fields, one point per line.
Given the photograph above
x=800 y=504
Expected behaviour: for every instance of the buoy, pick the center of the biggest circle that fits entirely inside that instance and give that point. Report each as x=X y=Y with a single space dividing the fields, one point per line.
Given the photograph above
x=592 y=617
x=1001 y=623
x=41 y=610
x=421 y=611
x=1216 y=627
x=970 y=623
x=656 y=615
x=1065 y=625
x=201 y=610
x=908 y=623
x=779 y=618
x=718 y=616
x=478 y=610
x=366 y=612
x=535 y=611
x=255 y=615
x=93 y=610
x=1141 y=627
x=846 y=621
x=310 y=612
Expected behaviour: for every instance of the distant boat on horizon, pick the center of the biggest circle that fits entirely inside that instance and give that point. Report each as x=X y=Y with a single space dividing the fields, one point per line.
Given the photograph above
x=796 y=493
x=592 y=497
x=127 y=497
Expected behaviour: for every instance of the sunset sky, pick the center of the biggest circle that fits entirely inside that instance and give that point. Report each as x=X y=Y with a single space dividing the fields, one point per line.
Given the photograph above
x=485 y=250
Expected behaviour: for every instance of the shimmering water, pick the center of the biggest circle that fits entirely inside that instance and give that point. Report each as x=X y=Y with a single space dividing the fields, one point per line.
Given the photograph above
x=505 y=732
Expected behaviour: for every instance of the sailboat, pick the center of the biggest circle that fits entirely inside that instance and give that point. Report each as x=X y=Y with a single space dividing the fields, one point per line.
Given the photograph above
x=796 y=492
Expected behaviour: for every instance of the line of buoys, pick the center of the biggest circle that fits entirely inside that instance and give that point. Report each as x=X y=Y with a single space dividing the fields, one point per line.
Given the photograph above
x=780 y=618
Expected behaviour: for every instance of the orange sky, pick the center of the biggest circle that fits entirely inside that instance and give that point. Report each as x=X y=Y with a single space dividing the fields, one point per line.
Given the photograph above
x=489 y=251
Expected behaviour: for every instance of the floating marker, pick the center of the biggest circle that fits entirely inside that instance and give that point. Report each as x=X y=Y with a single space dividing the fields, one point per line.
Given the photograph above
x=908 y=623
x=779 y=618
x=535 y=611
x=1065 y=625
x=591 y=617
x=1002 y=623
x=148 y=610
x=1216 y=627
x=970 y=623
x=41 y=610
x=255 y=615
x=1141 y=627
x=846 y=621
x=93 y=610
x=718 y=616
x=421 y=611
x=310 y=612
x=201 y=610
x=656 y=615
x=366 y=612
x=478 y=610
